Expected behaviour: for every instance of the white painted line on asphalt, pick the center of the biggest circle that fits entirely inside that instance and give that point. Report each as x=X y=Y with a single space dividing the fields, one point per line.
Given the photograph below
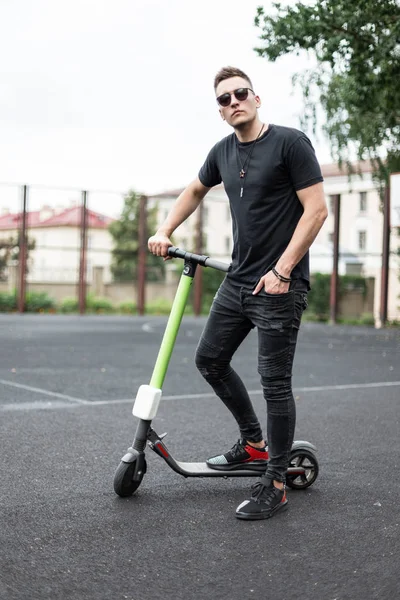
x=43 y=392
x=348 y=386
x=56 y=405
x=322 y=388
x=40 y=405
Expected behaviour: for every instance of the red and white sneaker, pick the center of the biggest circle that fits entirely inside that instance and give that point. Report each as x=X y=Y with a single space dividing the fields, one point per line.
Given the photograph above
x=238 y=456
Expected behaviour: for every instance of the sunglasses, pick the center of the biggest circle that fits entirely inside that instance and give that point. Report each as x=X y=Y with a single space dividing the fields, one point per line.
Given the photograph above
x=240 y=94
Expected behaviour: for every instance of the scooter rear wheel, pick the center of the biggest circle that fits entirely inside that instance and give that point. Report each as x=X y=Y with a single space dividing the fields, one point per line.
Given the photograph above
x=124 y=484
x=307 y=460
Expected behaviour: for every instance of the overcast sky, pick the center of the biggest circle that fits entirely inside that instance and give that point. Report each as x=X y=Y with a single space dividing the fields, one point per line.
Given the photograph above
x=116 y=95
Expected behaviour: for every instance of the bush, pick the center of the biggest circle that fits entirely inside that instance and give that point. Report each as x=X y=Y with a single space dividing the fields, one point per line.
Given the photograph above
x=127 y=308
x=158 y=307
x=99 y=305
x=394 y=323
x=39 y=302
x=318 y=297
x=69 y=305
x=8 y=302
x=312 y=318
x=365 y=319
x=93 y=305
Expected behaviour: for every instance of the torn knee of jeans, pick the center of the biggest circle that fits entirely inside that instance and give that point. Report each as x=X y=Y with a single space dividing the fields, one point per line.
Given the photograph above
x=212 y=370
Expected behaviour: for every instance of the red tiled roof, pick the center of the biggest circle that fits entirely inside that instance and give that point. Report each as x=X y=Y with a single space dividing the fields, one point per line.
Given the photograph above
x=70 y=217
x=12 y=220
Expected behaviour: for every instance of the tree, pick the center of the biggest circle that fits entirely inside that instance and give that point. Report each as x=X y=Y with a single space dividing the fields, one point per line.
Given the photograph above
x=356 y=81
x=125 y=232
x=9 y=252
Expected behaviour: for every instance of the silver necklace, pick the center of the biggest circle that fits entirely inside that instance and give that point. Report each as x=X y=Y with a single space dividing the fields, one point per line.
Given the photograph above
x=243 y=172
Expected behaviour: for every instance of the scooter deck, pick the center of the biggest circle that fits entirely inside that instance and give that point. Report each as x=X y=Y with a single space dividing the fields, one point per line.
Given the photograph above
x=201 y=469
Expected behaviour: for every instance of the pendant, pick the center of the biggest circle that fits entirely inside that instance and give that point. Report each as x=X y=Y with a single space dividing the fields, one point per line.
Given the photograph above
x=242 y=174
x=241 y=192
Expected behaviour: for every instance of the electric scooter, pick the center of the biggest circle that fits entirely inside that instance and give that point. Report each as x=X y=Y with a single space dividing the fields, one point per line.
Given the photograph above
x=303 y=464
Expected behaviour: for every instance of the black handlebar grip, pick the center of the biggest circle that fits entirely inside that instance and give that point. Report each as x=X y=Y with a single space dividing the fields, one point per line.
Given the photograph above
x=199 y=259
x=216 y=264
x=176 y=252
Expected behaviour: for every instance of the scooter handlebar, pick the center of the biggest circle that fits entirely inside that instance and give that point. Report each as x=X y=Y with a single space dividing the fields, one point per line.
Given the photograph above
x=199 y=259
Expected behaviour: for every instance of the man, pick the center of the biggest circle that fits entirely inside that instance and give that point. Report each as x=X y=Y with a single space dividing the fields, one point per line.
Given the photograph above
x=274 y=185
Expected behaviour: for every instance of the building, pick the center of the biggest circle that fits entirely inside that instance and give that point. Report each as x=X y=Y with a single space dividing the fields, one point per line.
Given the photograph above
x=361 y=229
x=56 y=235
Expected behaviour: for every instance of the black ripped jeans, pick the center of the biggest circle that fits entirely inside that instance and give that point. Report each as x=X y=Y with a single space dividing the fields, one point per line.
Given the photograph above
x=234 y=312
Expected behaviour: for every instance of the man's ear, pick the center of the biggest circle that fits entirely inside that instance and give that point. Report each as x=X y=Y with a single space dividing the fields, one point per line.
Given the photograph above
x=258 y=101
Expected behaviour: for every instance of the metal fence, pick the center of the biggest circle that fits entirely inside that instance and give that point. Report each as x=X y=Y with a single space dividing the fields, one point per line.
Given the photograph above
x=57 y=240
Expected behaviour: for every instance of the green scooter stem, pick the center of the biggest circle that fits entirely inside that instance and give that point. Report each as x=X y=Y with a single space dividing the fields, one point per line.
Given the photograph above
x=171 y=331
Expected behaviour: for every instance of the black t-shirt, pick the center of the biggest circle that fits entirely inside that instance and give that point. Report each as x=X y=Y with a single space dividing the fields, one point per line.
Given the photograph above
x=282 y=162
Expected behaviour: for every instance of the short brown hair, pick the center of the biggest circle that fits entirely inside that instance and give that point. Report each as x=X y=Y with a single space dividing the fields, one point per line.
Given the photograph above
x=227 y=73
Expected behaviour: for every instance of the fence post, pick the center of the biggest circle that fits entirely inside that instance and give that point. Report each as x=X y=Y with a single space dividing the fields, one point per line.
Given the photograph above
x=335 y=267
x=198 y=280
x=142 y=253
x=383 y=310
x=82 y=258
x=22 y=252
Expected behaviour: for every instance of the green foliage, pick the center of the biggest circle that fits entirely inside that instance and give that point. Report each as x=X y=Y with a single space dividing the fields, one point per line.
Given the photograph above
x=69 y=305
x=356 y=45
x=365 y=319
x=394 y=323
x=212 y=279
x=93 y=305
x=125 y=233
x=318 y=297
x=39 y=302
x=161 y=306
x=8 y=302
x=34 y=302
x=127 y=308
x=9 y=251
x=99 y=305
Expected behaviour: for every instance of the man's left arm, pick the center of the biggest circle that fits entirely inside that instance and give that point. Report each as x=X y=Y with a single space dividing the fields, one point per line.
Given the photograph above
x=315 y=212
x=311 y=221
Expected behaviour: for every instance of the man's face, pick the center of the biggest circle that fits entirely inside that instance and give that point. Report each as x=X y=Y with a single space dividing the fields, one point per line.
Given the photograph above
x=239 y=112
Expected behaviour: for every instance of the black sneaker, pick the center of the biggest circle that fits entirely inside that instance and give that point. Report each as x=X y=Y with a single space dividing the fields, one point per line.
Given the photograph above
x=265 y=501
x=240 y=454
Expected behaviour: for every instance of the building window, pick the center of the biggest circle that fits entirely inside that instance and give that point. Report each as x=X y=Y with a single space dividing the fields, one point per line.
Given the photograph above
x=330 y=237
x=362 y=240
x=363 y=202
x=205 y=215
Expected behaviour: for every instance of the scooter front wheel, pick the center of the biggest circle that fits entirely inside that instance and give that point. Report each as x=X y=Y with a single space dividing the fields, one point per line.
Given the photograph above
x=307 y=462
x=125 y=481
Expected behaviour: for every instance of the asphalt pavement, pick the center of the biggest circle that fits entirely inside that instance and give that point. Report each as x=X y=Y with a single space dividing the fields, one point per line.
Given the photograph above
x=67 y=385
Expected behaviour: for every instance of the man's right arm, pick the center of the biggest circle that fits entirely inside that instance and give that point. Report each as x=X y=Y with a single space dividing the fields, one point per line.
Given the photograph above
x=185 y=205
